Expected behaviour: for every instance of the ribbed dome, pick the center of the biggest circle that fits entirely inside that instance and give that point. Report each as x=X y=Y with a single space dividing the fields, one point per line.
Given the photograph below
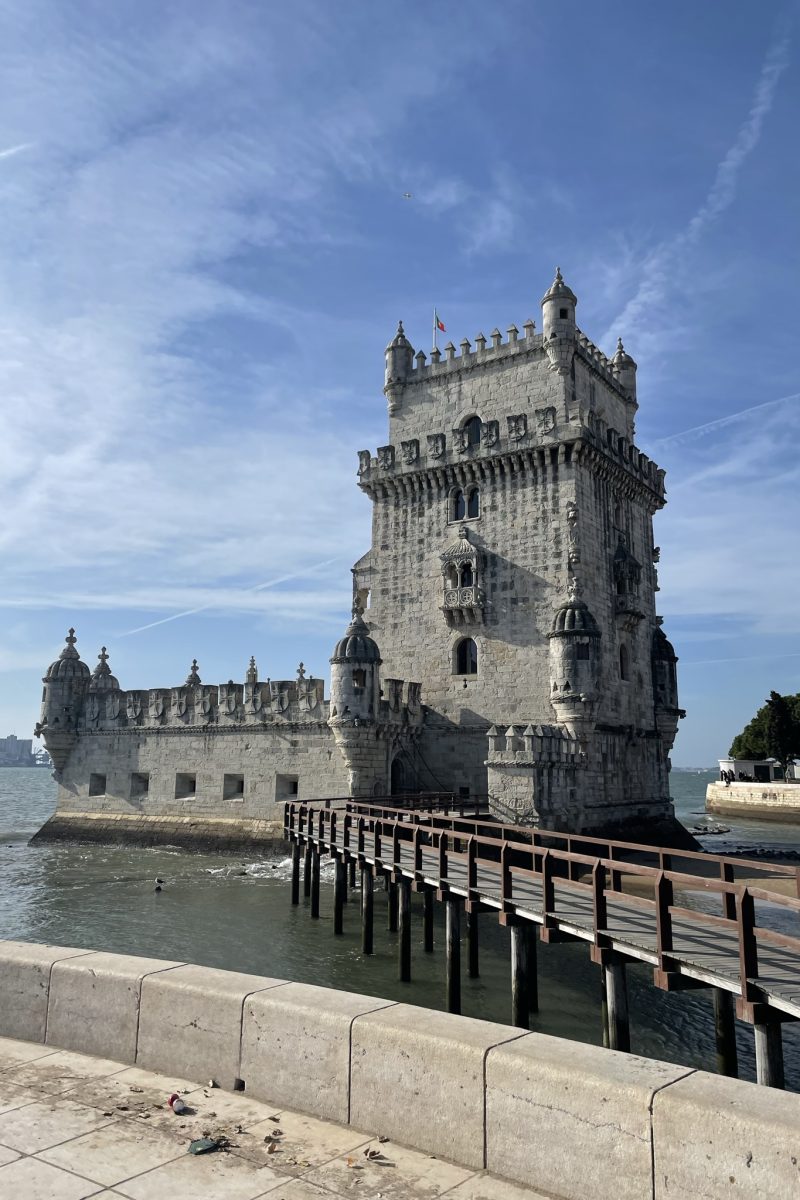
x=102 y=679
x=622 y=359
x=400 y=339
x=573 y=616
x=460 y=551
x=663 y=650
x=559 y=290
x=68 y=665
x=356 y=645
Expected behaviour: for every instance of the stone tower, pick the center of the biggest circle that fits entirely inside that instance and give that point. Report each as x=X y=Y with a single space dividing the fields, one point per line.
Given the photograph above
x=512 y=573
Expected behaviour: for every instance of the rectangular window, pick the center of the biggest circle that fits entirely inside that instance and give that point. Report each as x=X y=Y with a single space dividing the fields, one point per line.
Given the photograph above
x=140 y=785
x=359 y=678
x=185 y=786
x=233 y=787
x=97 y=785
x=583 y=650
x=286 y=787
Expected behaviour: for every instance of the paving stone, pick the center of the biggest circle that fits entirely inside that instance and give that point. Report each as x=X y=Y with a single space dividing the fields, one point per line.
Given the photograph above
x=46 y=1123
x=113 y=1153
x=30 y=1179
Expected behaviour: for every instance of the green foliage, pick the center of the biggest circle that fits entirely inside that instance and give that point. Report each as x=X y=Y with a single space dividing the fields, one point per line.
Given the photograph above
x=774 y=731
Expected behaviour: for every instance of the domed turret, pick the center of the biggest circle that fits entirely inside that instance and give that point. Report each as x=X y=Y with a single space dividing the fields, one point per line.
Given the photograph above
x=102 y=680
x=624 y=369
x=65 y=687
x=665 y=677
x=399 y=364
x=574 y=660
x=558 y=324
x=355 y=673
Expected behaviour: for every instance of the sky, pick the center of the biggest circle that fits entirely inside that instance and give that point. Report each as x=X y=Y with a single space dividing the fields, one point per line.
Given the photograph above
x=205 y=246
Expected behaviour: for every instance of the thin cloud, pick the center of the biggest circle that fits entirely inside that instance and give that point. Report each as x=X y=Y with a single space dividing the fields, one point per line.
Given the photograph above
x=259 y=587
x=722 y=422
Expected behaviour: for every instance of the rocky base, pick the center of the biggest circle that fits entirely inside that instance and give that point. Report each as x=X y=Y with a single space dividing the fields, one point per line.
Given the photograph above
x=191 y=832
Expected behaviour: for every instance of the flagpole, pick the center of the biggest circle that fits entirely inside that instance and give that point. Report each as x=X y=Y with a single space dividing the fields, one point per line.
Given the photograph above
x=434 y=328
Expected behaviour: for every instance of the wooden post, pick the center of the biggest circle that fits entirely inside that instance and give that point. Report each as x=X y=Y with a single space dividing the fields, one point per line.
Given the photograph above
x=533 y=975
x=307 y=871
x=427 y=899
x=769 y=1054
x=352 y=873
x=402 y=892
x=472 y=944
x=519 y=976
x=391 y=911
x=315 y=882
x=604 y=1008
x=616 y=988
x=453 y=954
x=339 y=895
x=295 y=872
x=366 y=910
x=725 y=1032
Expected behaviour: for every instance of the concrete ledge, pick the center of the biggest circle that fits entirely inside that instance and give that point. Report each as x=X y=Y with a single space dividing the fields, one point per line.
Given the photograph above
x=190 y=1022
x=25 y=987
x=720 y=1138
x=94 y=1003
x=549 y=1114
x=555 y=1110
x=140 y=829
x=418 y=1076
x=296 y=1047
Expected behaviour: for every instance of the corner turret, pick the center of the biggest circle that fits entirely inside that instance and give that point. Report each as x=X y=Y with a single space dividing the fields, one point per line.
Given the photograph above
x=558 y=324
x=399 y=365
x=355 y=674
x=624 y=369
x=65 y=687
x=574 y=663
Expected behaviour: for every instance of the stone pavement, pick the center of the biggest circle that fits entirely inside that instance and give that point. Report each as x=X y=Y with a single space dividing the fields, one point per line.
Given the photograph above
x=72 y=1126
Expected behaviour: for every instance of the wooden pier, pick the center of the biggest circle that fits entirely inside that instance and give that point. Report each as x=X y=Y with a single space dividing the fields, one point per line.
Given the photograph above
x=569 y=887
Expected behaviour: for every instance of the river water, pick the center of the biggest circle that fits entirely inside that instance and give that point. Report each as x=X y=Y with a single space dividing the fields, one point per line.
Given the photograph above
x=234 y=912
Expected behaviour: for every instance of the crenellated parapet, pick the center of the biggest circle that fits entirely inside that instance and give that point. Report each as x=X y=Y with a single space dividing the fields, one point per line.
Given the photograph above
x=532 y=773
x=534 y=745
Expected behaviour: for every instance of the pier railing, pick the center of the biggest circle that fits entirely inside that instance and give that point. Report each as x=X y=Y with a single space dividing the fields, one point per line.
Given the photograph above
x=629 y=901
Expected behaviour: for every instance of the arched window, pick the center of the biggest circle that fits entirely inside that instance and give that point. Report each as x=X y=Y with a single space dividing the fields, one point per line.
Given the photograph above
x=474 y=502
x=624 y=664
x=397 y=779
x=458 y=507
x=467 y=577
x=466 y=657
x=472 y=428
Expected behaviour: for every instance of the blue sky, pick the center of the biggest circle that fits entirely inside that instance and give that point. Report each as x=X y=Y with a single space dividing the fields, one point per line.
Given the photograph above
x=204 y=248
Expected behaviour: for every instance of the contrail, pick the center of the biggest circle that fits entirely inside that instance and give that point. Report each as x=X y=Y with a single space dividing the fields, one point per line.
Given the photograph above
x=655 y=283
x=707 y=662
x=721 y=422
x=12 y=150
x=259 y=587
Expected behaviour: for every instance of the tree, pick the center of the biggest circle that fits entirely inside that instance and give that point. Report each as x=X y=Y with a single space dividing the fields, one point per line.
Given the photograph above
x=774 y=732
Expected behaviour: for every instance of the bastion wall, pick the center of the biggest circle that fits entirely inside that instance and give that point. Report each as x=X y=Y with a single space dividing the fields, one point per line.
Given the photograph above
x=769 y=801
x=561 y=1117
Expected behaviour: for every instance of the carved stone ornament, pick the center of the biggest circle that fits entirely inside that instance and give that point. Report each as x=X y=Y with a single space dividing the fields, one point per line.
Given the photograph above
x=157 y=705
x=180 y=702
x=386 y=457
x=134 y=706
x=545 y=420
x=461 y=440
x=517 y=427
x=410 y=451
x=364 y=462
x=490 y=434
x=414 y=695
x=113 y=706
x=437 y=444
x=574 y=551
x=92 y=710
x=253 y=698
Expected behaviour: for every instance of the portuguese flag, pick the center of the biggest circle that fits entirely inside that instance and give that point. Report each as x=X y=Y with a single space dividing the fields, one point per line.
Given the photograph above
x=438 y=322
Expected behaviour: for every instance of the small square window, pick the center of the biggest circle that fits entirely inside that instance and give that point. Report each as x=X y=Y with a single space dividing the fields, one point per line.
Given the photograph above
x=233 y=787
x=563 y=314
x=286 y=787
x=97 y=785
x=140 y=785
x=185 y=786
